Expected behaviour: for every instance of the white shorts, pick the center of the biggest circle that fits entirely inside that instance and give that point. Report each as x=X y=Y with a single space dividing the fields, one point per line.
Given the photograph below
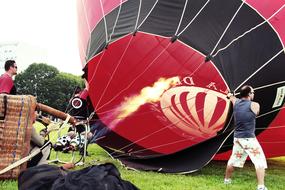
x=244 y=147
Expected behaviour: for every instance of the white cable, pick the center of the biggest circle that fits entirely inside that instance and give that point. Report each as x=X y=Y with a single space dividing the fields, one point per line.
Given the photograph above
x=139 y=11
x=130 y=84
x=89 y=28
x=181 y=18
x=86 y=17
x=270 y=112
x=248 y=31
x=226 y=29
x=282 y=50
x=148 y=14
x=194 y=18
x=113 y=73
x=120 y=60
x=105 y=23
x=269 y=85
x=117 y=18
x=276 y=127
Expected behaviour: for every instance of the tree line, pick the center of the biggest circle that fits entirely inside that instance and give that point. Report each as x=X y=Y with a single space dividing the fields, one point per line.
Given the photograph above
x=51 y=87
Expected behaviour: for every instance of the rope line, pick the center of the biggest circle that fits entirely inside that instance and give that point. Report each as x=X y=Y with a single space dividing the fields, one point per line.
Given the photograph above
x=181 y=18
x=248 y=31
x=105 y=22
x=148 y=14
x=113 y=73
x=269 y=85
x=138 y=15
x=194 y=18
x=131 y=83
x=115 y=24
x=88 y=25
x=265 y=64
x=175 y=142
x=159 y=130
x=226 y=29
x=97 y=65
x=121 y=58
x=270 y=112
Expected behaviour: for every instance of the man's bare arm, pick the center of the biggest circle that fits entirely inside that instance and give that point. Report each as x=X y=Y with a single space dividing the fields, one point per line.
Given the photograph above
x=255 y=107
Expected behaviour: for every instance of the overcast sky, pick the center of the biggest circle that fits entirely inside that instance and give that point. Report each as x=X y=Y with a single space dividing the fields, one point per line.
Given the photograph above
x=50 y=26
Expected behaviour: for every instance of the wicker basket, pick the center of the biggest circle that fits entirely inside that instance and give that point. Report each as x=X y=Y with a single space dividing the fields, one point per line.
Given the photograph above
x=15 y=131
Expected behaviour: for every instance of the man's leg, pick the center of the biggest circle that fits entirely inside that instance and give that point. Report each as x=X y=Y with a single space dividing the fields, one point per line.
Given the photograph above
x=258 y=158
x=237 y=159
x=229 y=171
x=260 y=173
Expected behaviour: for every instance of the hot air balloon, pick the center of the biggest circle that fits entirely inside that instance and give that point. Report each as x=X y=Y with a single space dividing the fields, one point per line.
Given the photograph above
x=159 y=71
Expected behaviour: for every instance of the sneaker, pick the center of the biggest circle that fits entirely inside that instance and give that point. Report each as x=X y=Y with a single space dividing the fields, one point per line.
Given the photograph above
x=227 y=181
x=262 y=188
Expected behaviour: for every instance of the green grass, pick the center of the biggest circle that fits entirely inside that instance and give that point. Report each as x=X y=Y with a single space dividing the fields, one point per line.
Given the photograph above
x=210 y=177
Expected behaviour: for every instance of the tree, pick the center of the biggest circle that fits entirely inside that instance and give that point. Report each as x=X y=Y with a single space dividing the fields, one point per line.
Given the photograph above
x=60 y=89
x=49 y=85
x=33 y=78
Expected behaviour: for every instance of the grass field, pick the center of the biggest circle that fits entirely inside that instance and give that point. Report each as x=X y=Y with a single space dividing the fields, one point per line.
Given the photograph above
x=208 y=178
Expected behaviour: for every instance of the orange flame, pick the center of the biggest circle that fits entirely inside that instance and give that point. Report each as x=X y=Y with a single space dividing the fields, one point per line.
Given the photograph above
x=147 y=95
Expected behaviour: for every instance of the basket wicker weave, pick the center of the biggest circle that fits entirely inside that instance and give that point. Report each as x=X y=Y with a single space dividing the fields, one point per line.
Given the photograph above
x=15 y=131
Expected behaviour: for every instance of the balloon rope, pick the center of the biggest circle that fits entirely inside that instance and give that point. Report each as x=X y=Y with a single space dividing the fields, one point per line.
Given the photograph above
x=88 y=25
x=104 y=52
x=94 y=73
x=162 y=108
x=264 y=86
x=148 y=14
x=175 y=142
x=153 y=111
x=269 y=85
x=86 y=17
x=265 y=64
x=116 y=21
x=145 y=149
x=194 y=18
x=145 y=137
x=248 y=31
x=149 y=156
x=113 y=73
x=131 y=83
x=200 y=64
x=174 y=124
x=260 y=142
x=278 y=142
x=140 y=6
x=226 y=29
x=275 y=127
x=159 y=130
x=105 y=23
x=272 y=111
x=158 y=56
x=120 y=60
x=181 y=18
x=97 y=65
x=141 y=150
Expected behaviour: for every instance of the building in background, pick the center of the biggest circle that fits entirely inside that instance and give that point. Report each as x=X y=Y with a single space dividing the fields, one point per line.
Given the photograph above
x=23 y=53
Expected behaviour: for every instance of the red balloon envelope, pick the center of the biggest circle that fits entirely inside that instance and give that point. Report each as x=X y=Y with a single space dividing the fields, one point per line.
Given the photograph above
x=159 y=72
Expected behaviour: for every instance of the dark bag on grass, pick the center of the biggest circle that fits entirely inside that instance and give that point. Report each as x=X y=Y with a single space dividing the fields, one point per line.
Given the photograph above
x=39 y=177
x=97 y=177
